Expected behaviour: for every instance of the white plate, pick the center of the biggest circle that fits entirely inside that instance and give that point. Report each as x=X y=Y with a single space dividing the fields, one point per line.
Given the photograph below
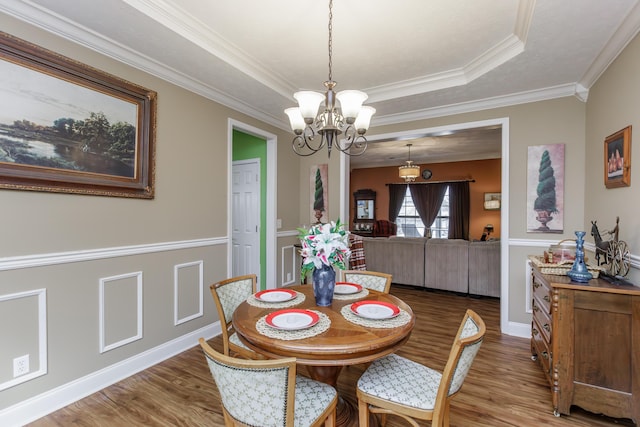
x=375 y=309
x=276 y=295
x=344 y=288
x=292 y=319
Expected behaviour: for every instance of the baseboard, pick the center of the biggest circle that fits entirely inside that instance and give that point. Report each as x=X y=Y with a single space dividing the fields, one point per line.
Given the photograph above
x=522 y=330
x=38 y=406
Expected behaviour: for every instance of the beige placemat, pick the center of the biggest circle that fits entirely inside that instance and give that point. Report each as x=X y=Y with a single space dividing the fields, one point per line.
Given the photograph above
x=400 y=320
x=323 y=324
x=300 y=297
x=342 y=297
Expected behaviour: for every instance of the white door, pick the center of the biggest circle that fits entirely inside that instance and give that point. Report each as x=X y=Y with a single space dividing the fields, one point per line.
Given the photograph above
x=245 y=238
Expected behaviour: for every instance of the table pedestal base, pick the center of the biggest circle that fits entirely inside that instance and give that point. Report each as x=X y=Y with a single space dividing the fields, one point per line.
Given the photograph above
x=347 y=409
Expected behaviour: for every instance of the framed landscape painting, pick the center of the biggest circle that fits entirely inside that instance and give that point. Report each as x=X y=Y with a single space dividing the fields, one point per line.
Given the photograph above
x=66 y=127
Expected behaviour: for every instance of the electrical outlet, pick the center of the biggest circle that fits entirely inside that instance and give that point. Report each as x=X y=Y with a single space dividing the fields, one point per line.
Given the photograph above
x=288 y=277
x=20 y=365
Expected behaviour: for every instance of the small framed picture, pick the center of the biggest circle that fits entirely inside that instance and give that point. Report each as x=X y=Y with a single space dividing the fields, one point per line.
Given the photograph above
x=492 y=201
x=617 y=159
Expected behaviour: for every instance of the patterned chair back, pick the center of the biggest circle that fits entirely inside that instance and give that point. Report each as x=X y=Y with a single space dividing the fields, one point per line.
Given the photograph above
x=368 y=279
x=254 y=392
x=268 y=393
x=228 y=295
x=465 y=347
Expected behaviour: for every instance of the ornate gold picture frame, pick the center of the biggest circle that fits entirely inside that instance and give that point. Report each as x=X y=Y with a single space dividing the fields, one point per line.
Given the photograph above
x=66 y=127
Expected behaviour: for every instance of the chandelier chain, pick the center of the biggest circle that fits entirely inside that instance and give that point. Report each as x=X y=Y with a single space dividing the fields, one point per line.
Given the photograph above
x=330 y=39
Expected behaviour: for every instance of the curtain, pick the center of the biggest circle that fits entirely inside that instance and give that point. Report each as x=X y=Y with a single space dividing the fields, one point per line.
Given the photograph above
x=427 y=199
x=459 y=210
x=396 y=197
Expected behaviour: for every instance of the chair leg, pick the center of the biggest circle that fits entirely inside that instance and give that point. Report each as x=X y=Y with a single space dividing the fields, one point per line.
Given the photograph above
x=363 y=413
x=331 y=419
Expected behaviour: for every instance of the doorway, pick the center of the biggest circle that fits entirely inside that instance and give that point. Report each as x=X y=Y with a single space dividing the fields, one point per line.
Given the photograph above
x=505 y=325
x=246 y=241
x=266 y=145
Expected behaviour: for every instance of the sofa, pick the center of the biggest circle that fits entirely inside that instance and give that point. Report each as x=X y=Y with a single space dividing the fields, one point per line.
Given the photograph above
x=448 y=264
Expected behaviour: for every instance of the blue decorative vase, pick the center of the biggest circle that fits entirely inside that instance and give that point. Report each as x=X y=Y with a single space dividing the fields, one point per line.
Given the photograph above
x=579 y=271
x=324 y=282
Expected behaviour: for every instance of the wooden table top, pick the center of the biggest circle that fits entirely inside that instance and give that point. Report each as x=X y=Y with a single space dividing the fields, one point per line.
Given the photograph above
x=344 y=343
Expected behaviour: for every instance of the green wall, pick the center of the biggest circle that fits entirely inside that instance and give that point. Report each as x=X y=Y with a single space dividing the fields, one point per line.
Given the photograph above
x=246 y=147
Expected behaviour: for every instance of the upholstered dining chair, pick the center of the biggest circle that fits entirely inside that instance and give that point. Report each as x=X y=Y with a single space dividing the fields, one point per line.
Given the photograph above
x=399 y=386
x=368 y=279
x=228 y=294
x=266 y=393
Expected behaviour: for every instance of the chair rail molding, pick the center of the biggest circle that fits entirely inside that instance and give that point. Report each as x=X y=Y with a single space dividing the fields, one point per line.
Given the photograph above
x=40 y=260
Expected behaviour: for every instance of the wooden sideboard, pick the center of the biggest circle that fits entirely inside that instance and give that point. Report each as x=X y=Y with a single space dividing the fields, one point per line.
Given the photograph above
x=587 y=340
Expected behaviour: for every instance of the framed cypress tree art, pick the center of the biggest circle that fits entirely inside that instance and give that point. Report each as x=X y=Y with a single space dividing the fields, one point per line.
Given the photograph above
x=319 y=190
x=545 y=189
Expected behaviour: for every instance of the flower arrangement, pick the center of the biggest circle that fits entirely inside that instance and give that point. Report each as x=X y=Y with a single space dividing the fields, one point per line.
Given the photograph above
x=324 y=244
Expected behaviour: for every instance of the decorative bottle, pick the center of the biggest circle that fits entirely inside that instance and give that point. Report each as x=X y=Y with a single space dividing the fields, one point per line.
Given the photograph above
x=579 y=271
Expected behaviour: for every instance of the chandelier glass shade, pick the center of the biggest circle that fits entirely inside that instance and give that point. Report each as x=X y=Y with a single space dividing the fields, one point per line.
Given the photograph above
x=409 y=172
x=316 y=125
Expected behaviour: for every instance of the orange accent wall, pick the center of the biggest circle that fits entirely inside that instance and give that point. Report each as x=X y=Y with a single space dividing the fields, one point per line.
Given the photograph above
x=486 y=174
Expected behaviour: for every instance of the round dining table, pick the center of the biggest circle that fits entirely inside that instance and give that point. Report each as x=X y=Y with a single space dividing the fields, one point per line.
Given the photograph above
x=343 y=343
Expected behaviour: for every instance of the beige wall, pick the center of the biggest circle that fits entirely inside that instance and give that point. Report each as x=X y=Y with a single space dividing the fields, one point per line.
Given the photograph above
x=613 y=105
x=190 y=205
x=105 y=237
x=558 y=121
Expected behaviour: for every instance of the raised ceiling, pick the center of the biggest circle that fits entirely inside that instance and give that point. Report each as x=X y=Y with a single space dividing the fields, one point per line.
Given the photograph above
x=416 y=59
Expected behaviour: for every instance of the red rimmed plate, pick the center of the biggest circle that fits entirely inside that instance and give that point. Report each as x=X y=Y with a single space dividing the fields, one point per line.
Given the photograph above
x=292 y=319
x=375 y=309
x=346 y=288
x=276 y=295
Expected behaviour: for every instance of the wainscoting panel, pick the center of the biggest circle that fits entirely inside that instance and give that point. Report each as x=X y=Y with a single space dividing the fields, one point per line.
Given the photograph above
x=120 y=309
x=27 y=312
x=188 y=285
x=288 y=256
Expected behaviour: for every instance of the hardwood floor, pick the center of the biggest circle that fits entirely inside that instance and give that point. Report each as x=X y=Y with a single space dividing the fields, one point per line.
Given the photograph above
x=504 y=387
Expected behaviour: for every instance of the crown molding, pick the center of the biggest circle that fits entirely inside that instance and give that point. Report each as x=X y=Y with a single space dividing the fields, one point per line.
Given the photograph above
x=33 y=14
x=192 y=29
x=485 y=104
x=616 y=44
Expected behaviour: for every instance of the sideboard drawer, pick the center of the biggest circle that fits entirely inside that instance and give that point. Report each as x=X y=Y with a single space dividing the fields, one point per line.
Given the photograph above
x=542 y=317
x=542 y=293
x=541 y=348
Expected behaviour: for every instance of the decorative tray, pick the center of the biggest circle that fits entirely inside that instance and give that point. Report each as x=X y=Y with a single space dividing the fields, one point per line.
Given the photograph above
x=560 y=269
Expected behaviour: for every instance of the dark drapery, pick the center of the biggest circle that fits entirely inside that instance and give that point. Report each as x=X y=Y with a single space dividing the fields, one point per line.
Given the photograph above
x=459 y=210
x=427 y=199
x=396 y=197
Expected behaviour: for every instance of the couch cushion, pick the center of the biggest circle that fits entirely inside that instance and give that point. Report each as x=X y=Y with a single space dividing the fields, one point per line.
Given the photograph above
x=446 y=264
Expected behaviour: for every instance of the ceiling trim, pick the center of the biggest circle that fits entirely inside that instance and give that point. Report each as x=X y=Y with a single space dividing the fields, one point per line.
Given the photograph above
x=27 y=11
x=69 y=30
x=562 y=91
x=496 y=55
x=192 y=29
x=619 y=40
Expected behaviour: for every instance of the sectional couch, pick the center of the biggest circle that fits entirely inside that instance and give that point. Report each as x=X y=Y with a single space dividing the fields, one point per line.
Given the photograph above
x=452 y=265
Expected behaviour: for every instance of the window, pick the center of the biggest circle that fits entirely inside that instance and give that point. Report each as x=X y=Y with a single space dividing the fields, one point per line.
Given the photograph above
x=410 y=224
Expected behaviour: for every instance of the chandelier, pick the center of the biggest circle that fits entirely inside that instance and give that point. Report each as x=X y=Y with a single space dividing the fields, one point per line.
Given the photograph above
x=314 y=129
x=409 y=171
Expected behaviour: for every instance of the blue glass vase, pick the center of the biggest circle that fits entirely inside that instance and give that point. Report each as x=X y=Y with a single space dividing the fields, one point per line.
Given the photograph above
x=324 y=282
x=579 y=271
